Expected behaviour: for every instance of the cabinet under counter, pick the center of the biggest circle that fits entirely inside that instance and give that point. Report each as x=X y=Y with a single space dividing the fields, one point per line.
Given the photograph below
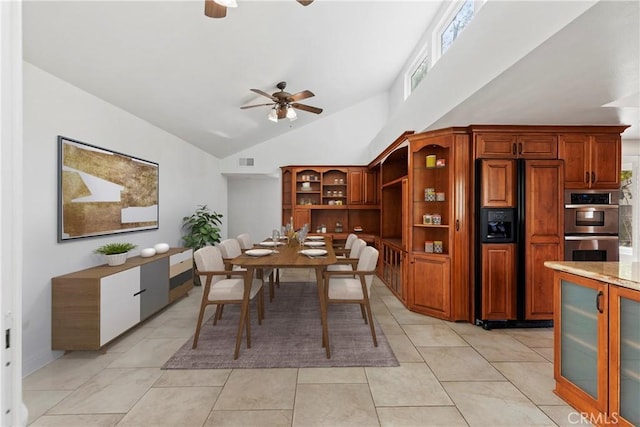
x=597 y=339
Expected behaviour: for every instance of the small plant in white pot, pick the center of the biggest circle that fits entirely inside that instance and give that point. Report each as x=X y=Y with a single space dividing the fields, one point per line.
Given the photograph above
x=116 y=253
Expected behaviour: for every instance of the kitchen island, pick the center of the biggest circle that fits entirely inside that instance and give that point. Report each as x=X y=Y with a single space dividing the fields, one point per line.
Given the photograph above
x=597 y=339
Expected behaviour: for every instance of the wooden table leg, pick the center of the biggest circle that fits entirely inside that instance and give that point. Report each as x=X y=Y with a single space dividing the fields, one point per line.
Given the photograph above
x=244 y=309
x=323 y=310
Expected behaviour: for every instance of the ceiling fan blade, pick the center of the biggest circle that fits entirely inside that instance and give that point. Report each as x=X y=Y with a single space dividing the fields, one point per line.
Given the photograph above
x=251 y=106
x=308 y=108
x=263 y=93
x=305 y=2
x=214 y=10
x=300 y=96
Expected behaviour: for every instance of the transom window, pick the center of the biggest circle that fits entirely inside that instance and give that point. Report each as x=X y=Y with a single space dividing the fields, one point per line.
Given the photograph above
x=456 y=25
x=419 y=73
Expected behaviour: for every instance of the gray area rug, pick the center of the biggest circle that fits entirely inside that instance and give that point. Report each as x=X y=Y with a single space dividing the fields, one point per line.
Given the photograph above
x=290 y=336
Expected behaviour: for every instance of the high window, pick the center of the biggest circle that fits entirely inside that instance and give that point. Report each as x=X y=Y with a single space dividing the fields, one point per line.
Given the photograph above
x=452 y=30
x=419 y=72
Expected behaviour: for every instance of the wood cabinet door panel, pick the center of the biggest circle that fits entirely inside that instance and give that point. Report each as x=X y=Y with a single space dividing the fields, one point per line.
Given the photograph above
x=499 y=281
x=495 y=145
x=430 y=293
x=544 y=239
x=544 y=200
x=498 y=183
x=370 y=191
x=574 y=150
x=539 y=280
x=605 y=161
x=537 y=147
x=301 y=217
x=356 y=190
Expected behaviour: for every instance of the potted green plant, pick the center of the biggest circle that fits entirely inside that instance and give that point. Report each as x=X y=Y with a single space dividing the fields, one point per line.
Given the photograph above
x=202 y=229
x=115 y=253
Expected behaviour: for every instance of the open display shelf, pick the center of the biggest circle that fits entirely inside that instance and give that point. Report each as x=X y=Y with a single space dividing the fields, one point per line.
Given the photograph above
x=322 y=196
x=431 y=200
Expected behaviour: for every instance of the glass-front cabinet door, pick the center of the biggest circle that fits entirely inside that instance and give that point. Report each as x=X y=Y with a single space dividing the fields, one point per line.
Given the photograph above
x=624 y=354
x=581 y=367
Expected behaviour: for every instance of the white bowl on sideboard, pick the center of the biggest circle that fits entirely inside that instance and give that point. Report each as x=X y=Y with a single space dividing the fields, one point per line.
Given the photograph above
x=161 y=248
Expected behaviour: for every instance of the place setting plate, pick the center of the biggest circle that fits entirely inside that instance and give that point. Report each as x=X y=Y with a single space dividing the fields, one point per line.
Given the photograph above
x=313 y=252
x=315 y=237
x=258 y=252
x=314 y=244
x=270 y=243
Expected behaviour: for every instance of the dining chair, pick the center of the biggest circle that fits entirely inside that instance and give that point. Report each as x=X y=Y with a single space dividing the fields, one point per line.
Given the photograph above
x=347 y=264
x=342 y=251
x=245 y=241
x=354 y=289
x=222 y=287
x=231 y=248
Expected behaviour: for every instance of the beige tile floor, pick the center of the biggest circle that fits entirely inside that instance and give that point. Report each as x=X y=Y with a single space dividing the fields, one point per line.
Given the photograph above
x=450 y=374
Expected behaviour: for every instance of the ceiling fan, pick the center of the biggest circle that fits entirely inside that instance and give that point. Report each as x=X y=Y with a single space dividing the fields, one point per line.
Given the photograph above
x=284 y=104
x=218 y=8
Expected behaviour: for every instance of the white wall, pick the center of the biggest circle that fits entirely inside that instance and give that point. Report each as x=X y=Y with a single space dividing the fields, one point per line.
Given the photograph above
x=254 y=205
x=475 y=59
x=188 y=177
x=630 y=147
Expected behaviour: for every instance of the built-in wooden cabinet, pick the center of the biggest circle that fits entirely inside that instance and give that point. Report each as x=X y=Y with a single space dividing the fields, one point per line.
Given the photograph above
x=592 y=160
x=439 y=181
x=509 y=145
x=597 y=348
x=499 y=281
x=363 y=186
x=543 y=234
x=92 y=307
x=338 y=198
x=498 y=183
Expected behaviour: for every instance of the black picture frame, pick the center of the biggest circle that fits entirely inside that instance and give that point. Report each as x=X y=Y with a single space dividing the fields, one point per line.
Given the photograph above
x=103 y=192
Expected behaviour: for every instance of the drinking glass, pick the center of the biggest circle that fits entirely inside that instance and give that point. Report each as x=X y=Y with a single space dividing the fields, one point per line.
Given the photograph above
x=275 y=236
x=302 y=234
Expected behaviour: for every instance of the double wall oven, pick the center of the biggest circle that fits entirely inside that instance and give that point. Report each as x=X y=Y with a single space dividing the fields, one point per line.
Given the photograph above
x=591 y=225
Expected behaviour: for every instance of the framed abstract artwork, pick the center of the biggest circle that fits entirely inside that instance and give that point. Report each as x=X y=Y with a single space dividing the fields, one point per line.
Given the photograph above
x=102 y=192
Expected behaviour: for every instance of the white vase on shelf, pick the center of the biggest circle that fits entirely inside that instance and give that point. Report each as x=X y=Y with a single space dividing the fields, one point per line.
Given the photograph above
x=116 y=259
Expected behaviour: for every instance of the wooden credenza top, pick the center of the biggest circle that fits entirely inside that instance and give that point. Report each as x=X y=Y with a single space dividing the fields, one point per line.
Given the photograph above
x=107 y=270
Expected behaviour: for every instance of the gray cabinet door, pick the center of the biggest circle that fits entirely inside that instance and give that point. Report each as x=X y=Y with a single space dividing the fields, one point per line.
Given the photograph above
x=154 y=287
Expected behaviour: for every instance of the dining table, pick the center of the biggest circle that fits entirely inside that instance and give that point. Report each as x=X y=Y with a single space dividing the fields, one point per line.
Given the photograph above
x=289 y=254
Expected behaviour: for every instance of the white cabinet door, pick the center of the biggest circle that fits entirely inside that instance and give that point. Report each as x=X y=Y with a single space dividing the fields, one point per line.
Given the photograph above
x=119 y=308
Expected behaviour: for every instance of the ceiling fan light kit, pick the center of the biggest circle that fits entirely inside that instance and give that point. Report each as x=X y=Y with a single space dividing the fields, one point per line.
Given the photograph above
x=227 y=3
x=273 y=115
x=285 y=104
x=218 y=8
x=291 y=113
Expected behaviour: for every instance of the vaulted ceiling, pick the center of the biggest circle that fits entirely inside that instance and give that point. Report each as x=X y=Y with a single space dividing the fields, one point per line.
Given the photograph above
x=167 y=63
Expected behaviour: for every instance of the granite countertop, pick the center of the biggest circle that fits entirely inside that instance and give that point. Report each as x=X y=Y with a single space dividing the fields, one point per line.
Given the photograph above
x=626 y=274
